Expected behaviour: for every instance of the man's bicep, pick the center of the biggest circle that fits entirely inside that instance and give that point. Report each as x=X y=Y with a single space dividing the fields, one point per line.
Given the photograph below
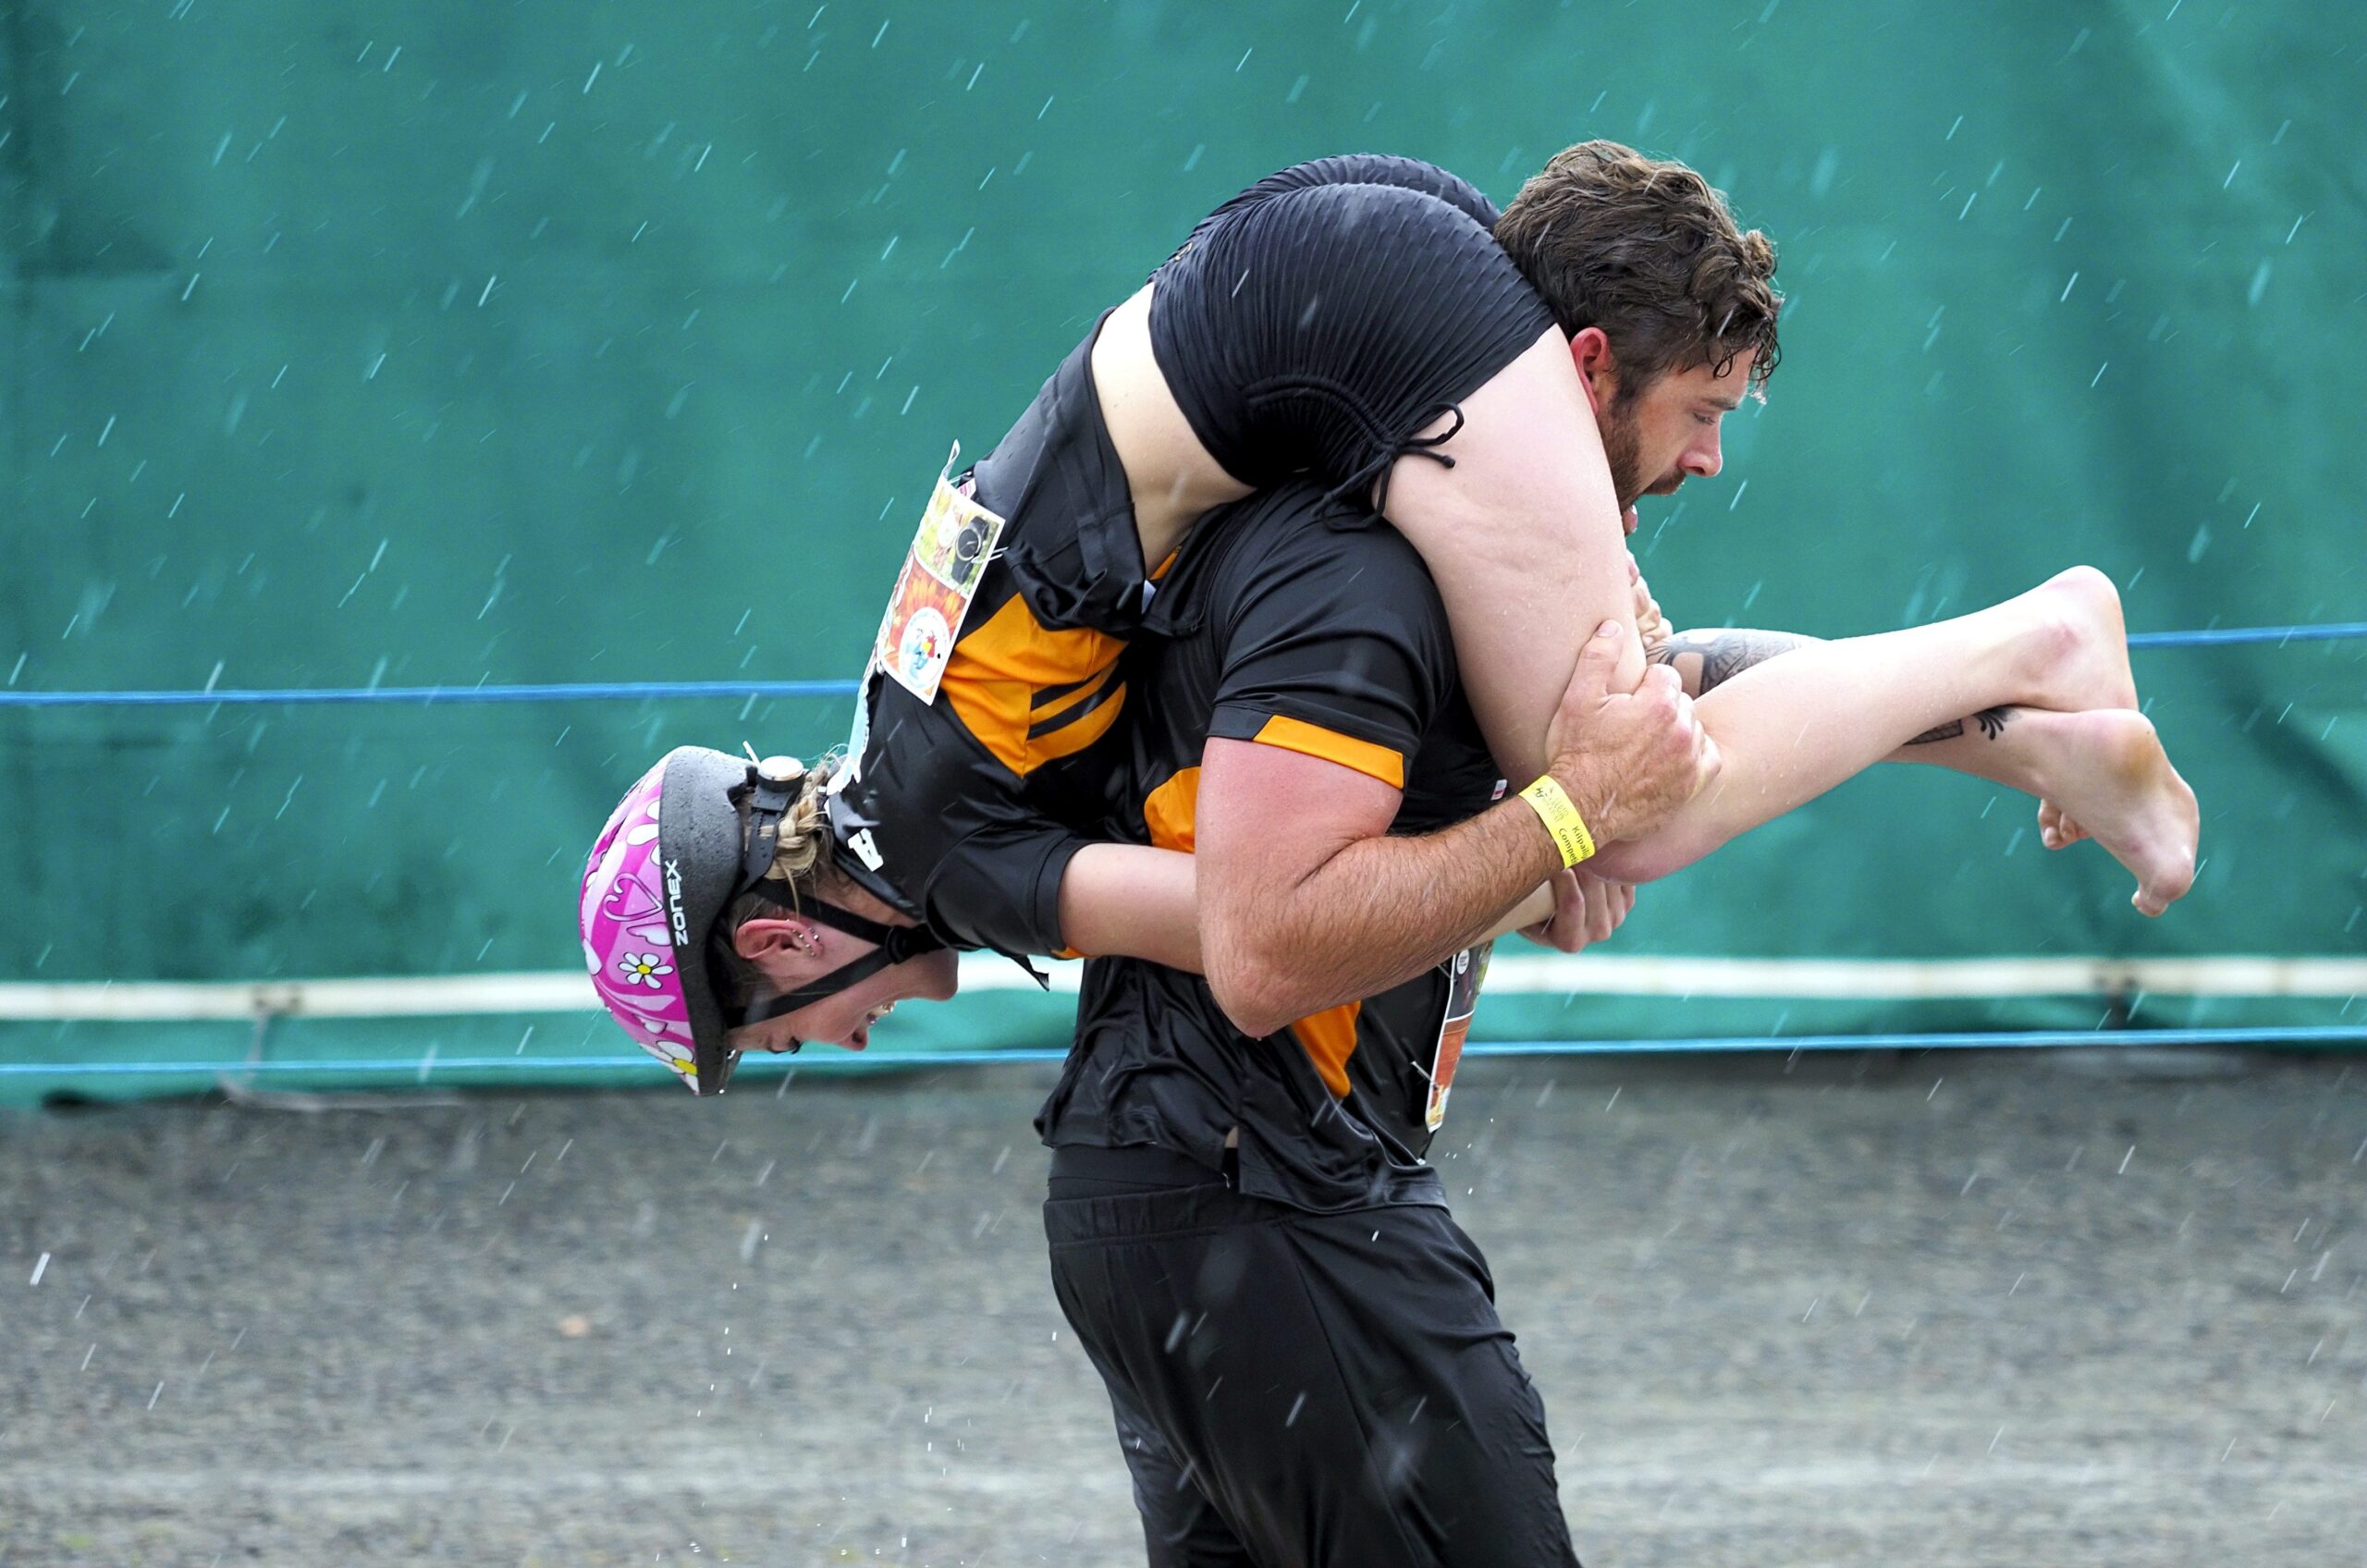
x=1271 y=815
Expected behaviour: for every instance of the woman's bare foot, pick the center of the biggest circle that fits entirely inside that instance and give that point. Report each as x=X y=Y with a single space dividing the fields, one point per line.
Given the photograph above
x=2106 y=776
x=2055 y=831
x=2080 y=644
x=2089 y=669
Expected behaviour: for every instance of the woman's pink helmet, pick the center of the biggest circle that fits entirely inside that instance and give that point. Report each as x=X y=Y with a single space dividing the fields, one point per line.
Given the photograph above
x=661 y=873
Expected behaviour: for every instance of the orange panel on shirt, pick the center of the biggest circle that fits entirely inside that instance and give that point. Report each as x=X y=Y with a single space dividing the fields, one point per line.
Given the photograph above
x=1329 y=1037
x=1000 y=665
x=1313 y=739
x=1169 y=810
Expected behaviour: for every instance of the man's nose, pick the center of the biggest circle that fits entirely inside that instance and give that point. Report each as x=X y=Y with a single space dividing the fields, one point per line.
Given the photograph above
x=1703 y=459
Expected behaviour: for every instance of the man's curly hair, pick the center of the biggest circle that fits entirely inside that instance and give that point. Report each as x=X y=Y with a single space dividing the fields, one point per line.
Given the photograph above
x=1645 y=249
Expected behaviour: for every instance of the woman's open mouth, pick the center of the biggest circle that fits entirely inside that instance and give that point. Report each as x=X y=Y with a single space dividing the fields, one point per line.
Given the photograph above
x=862 y=1036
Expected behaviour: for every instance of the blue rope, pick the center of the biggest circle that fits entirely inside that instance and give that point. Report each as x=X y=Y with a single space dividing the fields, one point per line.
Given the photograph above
x=1991 y=1040
x=432 y=695
x=2212 y=637
x=648 y=691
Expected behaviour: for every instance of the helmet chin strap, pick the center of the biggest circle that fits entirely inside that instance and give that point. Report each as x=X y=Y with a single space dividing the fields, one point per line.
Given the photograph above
x=894 y=944
x=772 y=789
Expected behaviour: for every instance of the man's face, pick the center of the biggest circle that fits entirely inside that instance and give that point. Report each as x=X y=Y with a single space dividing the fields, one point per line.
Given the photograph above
x=1668 y=432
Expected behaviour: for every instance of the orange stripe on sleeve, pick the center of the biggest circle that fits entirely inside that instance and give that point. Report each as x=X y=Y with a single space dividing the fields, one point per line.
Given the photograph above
x=1313 y=739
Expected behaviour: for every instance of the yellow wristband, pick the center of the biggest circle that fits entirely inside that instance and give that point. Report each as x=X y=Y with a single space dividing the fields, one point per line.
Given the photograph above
x=1552 y=803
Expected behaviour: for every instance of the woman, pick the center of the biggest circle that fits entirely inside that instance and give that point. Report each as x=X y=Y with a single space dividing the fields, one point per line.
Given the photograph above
x=1357 y=318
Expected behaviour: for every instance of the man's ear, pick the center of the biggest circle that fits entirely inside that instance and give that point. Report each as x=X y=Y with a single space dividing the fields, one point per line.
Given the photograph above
x=763 y=937
x=1598 y=366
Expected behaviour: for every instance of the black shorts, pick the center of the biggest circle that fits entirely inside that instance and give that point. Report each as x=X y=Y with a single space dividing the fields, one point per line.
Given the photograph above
x=1318 y=320
x=1327 y=1390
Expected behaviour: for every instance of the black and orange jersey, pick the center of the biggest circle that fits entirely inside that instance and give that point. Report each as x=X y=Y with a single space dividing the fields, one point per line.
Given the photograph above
x=951 y=811
x=1287 y=632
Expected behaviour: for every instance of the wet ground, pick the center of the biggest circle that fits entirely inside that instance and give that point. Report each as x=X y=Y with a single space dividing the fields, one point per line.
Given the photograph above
x=1944 y=1311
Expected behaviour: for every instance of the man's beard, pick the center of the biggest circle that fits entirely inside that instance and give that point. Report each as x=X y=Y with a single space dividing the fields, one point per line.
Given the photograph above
x=1624 y=448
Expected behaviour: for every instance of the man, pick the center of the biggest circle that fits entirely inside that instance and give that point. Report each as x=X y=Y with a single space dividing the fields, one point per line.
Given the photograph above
x=1301 y=1347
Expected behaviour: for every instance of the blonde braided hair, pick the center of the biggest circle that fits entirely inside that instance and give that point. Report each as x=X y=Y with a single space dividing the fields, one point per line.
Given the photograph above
x=800 y=859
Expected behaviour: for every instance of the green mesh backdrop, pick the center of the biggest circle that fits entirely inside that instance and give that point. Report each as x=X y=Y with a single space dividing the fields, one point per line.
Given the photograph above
x=414 y=344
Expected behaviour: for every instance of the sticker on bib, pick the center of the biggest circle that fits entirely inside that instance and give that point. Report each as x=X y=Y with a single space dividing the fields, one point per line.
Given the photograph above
x=1465 y=973
x=950 y=553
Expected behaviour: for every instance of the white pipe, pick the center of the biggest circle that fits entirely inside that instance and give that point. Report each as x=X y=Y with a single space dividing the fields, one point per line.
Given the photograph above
x=1516 y=973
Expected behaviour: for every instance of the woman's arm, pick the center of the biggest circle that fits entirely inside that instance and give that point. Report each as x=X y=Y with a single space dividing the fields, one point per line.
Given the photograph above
x=1128 y=901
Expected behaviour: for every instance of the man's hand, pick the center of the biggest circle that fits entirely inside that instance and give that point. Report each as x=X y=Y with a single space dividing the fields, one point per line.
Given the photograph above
x=1651 y=628
x=1587 y=909
x=1628 y=760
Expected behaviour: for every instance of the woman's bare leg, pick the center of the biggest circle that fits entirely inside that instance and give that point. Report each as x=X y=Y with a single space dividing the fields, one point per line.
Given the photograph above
x=1523 y=538
x=2106 y=764
x=1794 y=727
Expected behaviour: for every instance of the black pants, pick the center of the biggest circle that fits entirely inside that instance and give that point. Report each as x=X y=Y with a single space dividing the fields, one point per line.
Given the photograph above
x=1308 y=1390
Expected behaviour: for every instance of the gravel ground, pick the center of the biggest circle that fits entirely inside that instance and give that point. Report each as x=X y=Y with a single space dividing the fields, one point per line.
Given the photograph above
x=1961 y=1311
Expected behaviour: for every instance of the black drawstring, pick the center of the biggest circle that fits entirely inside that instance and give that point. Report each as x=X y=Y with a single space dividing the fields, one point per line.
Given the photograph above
x=1418 y=445
x=1376 y=471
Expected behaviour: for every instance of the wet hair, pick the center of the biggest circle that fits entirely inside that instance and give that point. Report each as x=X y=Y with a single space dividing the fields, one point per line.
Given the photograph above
x=1645 y=249
x=801 y=858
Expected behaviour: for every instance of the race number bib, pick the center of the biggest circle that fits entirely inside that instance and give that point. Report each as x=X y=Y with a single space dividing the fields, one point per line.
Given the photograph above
x=957 y=538
x=1464 y=972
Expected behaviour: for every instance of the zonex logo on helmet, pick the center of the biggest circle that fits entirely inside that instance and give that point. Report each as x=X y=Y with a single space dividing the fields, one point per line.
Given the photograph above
x=674 y=903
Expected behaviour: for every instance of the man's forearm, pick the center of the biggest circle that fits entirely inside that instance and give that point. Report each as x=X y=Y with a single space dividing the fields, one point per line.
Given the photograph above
x=1124 y=900
x=1381 y=910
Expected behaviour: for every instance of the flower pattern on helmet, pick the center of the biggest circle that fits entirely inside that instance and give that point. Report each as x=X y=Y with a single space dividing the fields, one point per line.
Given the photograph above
x=643 y=969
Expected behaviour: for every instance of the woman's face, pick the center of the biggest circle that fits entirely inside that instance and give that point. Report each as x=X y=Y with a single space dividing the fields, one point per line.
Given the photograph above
x=793 y=952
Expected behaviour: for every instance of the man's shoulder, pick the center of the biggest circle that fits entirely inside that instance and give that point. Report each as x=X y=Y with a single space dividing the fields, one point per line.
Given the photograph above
x=1296 y=541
